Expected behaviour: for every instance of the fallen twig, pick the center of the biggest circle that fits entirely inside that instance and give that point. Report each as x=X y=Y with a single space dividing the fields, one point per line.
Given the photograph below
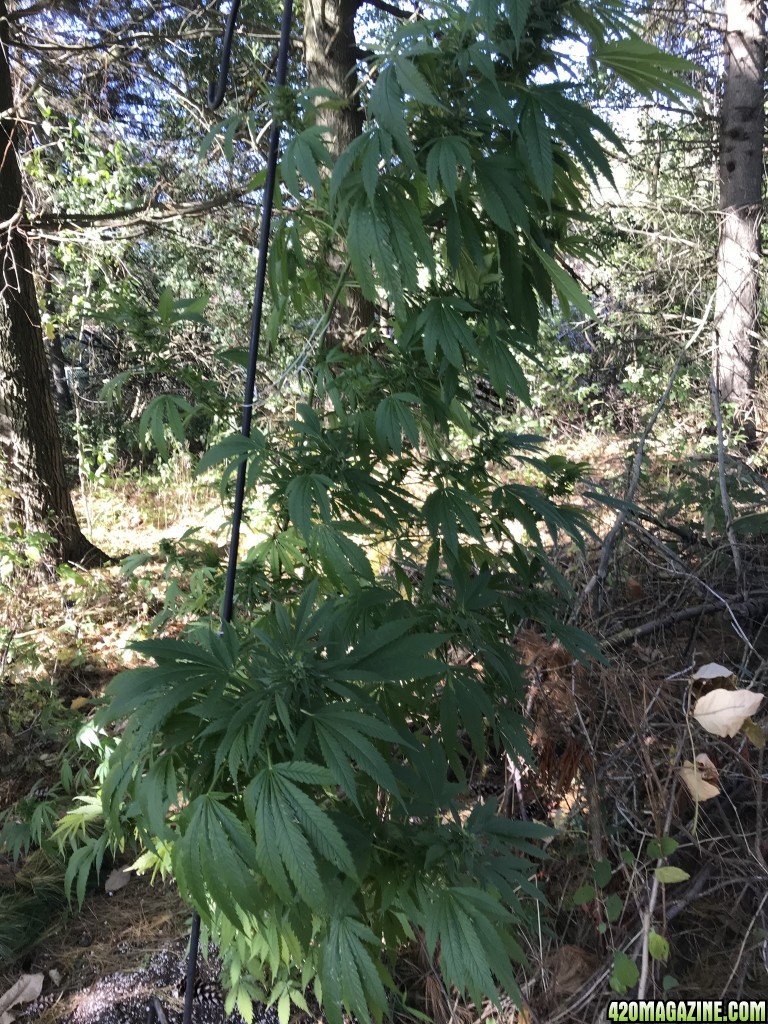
x=755 y=605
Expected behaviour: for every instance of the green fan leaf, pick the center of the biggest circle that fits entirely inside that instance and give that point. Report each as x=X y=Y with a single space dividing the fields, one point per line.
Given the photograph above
x=317 y=826
x=646 y=68
x=386 y=106
x=413 y=82
x=536 y=139
x=498 y=193
x=445 y=157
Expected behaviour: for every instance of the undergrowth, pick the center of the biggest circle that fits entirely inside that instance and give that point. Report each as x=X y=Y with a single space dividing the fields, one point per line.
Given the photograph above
x=607 y=741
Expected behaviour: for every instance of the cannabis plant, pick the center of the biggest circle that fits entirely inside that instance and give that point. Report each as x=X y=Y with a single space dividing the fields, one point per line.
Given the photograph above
x=300 y=774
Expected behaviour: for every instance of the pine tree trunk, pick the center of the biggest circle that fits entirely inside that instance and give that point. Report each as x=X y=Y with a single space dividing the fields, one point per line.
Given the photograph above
x=33 y=462
x=741 y=171
x=330 y=56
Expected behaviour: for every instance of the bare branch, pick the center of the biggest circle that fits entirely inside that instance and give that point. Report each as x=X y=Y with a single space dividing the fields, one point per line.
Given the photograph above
x=152 y=214
x=388 y=8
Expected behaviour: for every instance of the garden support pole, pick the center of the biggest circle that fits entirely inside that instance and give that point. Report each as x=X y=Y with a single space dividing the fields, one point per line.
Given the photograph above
x=215 y=98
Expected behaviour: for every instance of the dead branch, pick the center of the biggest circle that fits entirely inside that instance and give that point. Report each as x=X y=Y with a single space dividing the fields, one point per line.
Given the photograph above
x=150 y=214
x=754 y=606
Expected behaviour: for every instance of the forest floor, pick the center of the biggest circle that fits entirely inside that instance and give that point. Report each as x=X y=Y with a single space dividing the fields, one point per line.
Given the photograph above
x=661 y=595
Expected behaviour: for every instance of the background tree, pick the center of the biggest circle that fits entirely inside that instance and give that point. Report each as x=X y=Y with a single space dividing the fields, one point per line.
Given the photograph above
x=29 y=435
x=739 y=251
x=690 y=192
x=331 y=57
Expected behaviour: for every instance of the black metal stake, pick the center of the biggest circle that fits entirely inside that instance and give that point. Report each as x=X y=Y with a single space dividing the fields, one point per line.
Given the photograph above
x=258 y=302
x=194 y=945
x=215 y=99
x=216 y=92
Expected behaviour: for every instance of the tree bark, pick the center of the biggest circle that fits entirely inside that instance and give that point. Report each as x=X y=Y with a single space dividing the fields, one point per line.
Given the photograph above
x=30 y=445
x=741 y=174
x=330 y=55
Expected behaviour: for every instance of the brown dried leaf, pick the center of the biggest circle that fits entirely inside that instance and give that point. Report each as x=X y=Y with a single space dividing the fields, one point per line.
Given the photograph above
x=25 y=990
x=712 y=671
x=696 y=784
x=708 y=768
x=723 y=712
x=571 y=967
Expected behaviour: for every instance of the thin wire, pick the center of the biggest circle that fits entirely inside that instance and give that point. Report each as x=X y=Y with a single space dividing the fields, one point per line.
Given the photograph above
x=215 y=98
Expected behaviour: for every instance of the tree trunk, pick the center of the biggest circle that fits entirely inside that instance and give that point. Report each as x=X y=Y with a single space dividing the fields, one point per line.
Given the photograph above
x=741 y=171
x=29 y=438
x=330 y=53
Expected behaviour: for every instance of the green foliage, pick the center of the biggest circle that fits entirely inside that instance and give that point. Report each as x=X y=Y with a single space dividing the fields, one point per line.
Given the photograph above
x=625 y=973
x=164 y=413
x=300 y=773
x=20 y=550
x=658 y=946
x=320 y=799
x=645 y=68
x=30 y=906
x=32 y=707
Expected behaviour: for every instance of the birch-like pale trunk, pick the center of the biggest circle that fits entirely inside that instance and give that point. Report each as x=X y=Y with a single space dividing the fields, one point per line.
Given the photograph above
x=737 y=299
